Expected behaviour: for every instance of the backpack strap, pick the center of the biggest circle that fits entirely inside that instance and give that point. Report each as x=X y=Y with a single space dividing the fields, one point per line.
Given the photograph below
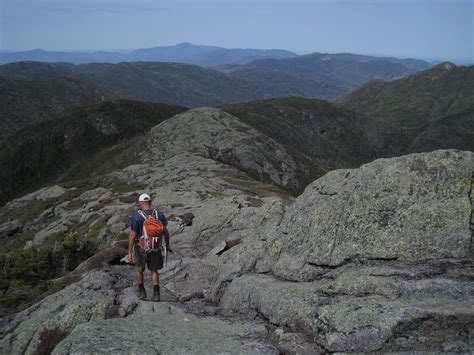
x=141 y=213
x=144 y=231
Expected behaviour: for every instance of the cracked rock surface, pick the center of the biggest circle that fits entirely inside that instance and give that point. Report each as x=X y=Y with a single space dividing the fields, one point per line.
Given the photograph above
x=101 y=313
x=371 y=259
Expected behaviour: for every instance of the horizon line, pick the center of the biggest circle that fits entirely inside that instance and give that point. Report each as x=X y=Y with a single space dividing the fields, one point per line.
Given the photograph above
x=124 y=51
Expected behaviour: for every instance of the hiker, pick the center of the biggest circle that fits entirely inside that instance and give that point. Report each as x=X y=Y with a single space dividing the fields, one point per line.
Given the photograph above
x=145 y=244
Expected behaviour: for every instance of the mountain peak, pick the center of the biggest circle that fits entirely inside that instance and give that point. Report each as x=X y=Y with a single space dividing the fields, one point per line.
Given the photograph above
x=445 y=66
x=440 y=70
x=37 y=50
x=185 y=44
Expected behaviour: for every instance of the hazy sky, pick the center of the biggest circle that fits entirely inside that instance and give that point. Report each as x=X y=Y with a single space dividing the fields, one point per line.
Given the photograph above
x=418 y=28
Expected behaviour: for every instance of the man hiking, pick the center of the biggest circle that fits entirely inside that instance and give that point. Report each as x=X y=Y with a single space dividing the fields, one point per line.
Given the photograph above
x=145 y=243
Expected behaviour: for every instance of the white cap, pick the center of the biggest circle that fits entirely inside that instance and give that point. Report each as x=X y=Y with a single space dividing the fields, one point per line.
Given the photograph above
x=144 y=198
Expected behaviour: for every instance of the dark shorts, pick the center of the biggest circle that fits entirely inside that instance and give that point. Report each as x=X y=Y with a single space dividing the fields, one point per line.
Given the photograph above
x=152 y=259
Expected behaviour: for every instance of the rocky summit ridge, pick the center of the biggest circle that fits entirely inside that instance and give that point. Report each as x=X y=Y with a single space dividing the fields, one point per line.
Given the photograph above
x=378 y=258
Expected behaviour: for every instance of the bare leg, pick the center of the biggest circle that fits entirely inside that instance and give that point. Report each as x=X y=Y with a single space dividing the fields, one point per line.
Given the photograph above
x=141 y=288
x=155 y=278
x=139 y=277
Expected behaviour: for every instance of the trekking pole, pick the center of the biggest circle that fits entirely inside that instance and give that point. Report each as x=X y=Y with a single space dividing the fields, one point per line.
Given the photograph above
x=166 y=256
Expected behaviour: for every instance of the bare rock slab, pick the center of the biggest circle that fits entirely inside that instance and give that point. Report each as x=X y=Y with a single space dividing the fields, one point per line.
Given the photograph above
x=167 y=330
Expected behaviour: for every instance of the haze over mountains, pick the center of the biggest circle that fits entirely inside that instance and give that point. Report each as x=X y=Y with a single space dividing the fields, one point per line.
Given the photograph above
x=350 y=69
x=206 y=56
x=202 y=55
x=324 y=76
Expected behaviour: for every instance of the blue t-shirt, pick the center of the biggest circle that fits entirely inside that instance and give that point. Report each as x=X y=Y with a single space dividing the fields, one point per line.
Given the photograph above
x=137 y=221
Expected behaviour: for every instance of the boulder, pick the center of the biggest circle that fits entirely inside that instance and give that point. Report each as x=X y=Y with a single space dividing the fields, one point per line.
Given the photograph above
x=186 y=219
x=80 y=302
x=54 y=228
x=103 y=258
x=95 y=194
x=9 y=228
x=117 y=228
x=49 y=192
x=415 y=207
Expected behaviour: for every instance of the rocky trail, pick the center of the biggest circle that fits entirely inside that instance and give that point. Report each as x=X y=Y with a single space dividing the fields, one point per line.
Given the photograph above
x=101 y=313
x=373 y=259
x=185 y=321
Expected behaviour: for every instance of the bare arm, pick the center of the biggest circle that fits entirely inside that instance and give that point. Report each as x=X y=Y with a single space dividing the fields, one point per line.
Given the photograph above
x=131 y=242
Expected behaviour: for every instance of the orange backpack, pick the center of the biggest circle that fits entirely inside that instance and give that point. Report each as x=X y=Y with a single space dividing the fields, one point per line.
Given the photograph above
x=153 y=230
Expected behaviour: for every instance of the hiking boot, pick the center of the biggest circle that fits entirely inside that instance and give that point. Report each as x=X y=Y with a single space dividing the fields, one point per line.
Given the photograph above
x=141 y=293
x=156 y=296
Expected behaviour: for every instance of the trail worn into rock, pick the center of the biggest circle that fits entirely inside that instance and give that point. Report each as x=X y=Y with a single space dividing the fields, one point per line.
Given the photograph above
x=104 y=297
x=101 y=313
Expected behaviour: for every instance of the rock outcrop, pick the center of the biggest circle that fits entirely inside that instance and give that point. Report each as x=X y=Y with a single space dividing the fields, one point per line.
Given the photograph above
x=218 y=135
x=9 y=228
x=378 y=258
x=411 y=208
x=381 y=256
x=176 y=332
x=89 y=316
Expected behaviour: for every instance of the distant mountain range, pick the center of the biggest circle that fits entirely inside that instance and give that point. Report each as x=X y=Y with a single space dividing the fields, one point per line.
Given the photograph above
x=323 y=76
x=171 y=83
x=206 y=56
x=342 y=70
x=429 y=110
